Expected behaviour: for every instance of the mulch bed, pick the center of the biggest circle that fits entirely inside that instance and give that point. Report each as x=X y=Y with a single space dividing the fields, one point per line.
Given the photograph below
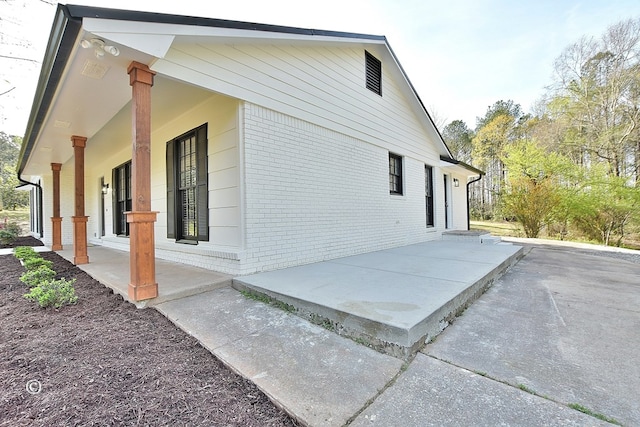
x=104 y=362
x=22 y=241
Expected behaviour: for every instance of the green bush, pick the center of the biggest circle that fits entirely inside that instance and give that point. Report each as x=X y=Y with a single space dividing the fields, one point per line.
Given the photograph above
x=13 y=228
x=7 y=237
x=34 y=262
x=24 y=252
x=38 y=275
x=9 y=232
x=54 y=293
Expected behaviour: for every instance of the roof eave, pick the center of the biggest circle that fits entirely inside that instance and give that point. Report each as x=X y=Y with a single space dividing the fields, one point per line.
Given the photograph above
x=77 y=11
x=62 y=38
x=462 y=164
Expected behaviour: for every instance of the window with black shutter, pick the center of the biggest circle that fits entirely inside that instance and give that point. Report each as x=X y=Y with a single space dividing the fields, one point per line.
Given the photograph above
x=187 y=190
x=395 y=174
x=373 y=68
x=428 y=194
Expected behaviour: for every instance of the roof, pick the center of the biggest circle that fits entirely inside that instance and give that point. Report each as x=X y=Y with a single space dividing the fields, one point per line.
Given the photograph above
x=67 y=30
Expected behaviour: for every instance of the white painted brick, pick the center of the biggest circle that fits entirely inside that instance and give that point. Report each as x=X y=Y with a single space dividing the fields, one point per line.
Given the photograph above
x=314 y=194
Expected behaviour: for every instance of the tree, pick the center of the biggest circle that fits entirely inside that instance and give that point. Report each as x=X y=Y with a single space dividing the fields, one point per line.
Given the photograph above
x=597 y=92
x=605 y=206
x=502 y=125
x=458 y=136
x=9 y=152
x=534 y=185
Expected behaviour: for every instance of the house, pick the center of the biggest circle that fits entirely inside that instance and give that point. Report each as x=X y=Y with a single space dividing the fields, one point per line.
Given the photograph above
x=233 y=146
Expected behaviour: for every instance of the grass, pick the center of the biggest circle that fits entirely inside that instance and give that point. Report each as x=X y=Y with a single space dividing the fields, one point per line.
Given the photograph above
x=268 y=300
x=527 y=389
x=497 y=228
x=513 y=229
x=597 y=415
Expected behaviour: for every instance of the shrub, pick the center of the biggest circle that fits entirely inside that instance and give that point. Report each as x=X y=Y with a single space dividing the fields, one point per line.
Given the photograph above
x=38 y=275
x=9 y=232
x=7 y=237
x=24 y=252
x=54 y=293
x=34 y=262
x=13 y=228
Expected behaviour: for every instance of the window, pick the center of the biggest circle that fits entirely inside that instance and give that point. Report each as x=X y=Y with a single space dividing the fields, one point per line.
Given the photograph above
x=187 y=191
x=373 y=73
x=395 y=174
x=428 y=194
x=121 y=179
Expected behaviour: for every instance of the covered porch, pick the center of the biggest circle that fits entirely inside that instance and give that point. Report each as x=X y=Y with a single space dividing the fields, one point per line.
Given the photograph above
x=175 y=280
x=96 y=106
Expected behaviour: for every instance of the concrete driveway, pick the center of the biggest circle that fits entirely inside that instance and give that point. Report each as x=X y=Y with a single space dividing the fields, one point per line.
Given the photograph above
x=563 y=324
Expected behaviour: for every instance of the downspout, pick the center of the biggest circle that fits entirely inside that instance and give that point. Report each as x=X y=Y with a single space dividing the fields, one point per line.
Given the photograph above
x=40 y=213
x=468 y=207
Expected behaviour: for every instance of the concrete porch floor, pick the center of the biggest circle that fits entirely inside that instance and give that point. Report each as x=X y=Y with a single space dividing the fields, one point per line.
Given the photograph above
x=111 y=268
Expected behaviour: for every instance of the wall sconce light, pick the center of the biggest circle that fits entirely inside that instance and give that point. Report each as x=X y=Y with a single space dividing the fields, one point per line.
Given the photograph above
x=456 y=183
x=100 y=47
x=105 y=188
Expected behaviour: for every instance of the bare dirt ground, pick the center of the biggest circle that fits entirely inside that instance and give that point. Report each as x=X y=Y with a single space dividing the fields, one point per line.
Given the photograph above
x=104 y=362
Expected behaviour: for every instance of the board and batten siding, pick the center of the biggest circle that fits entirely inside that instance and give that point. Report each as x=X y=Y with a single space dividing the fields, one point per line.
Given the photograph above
x=324 y=85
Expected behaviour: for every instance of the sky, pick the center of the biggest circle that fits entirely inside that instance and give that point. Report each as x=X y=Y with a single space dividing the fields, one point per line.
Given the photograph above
x=460 y=55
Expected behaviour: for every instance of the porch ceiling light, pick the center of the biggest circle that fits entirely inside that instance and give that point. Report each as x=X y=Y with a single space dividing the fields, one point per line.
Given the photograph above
x=99 y=47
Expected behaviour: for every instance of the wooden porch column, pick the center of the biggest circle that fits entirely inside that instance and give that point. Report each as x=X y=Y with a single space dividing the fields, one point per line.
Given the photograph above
x=56 y=220
x=79 y=220
x=141 y=219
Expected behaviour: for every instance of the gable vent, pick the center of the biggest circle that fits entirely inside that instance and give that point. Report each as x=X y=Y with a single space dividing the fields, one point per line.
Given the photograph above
x=373 y=73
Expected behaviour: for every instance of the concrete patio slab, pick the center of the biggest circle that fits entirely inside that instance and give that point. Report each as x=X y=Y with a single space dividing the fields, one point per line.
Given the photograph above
x=394 y=299
x=320 y=378
x=111 y=267
x=435 y=393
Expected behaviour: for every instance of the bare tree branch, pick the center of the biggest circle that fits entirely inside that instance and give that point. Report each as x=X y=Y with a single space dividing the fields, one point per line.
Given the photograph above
x=7 y=91
x=19 y=58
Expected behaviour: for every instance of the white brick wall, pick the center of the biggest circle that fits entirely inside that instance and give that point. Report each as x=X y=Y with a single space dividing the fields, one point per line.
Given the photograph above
x=313 y=194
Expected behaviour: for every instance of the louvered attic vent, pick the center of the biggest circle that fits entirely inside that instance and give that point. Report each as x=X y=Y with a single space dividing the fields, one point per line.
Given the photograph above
x=374 y=73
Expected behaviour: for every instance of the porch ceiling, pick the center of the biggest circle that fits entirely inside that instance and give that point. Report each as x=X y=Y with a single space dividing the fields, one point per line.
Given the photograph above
x=94 y=93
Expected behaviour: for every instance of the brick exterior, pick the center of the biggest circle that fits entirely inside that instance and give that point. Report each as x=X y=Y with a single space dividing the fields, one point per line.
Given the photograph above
x=313 y=194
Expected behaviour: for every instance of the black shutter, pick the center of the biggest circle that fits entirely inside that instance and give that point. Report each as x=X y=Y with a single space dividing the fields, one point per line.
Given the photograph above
x=202 y=192
x=171 y=190
x=114 y=200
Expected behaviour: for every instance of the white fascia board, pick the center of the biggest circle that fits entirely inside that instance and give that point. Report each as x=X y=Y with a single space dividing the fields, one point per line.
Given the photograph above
x=156 y=38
